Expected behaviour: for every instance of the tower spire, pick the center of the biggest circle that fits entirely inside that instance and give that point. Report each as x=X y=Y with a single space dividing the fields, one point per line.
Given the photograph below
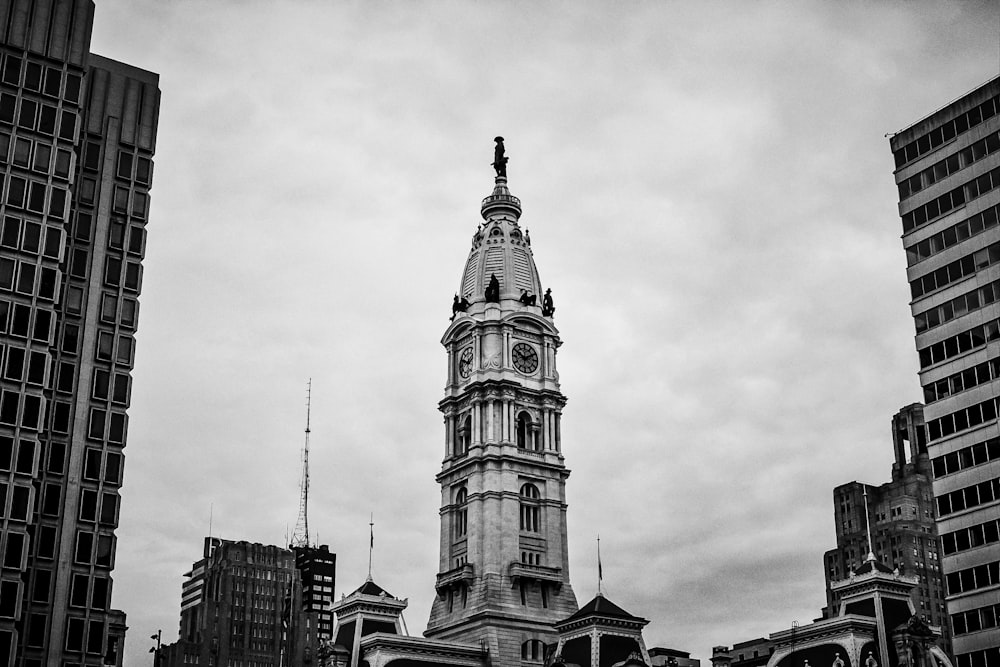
x=300 y=536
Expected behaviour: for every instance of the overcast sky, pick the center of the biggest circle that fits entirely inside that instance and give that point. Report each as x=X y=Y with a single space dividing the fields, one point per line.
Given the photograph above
x=710 y=198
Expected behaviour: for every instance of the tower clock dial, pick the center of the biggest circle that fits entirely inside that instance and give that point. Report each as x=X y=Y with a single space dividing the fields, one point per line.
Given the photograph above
x=465 y=363
x=525 y=358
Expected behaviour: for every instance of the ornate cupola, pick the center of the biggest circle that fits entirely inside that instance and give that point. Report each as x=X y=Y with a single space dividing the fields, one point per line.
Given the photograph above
x=503 y=578
x=501 y=256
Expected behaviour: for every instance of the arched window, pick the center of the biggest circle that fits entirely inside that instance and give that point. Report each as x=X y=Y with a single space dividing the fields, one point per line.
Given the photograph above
x=461 y=513
x=533 y=650
x=524 y=431
x=530 y=510
x=464 y=435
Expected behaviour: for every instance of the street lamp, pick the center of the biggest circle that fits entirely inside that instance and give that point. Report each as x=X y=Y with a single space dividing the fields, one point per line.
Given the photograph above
x=156 y=649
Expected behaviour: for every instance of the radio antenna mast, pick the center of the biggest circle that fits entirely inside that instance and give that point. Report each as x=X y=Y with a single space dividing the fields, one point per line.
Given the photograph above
x=300 y=536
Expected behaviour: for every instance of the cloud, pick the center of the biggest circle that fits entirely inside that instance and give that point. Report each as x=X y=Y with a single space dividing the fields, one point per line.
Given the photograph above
x=710 y=198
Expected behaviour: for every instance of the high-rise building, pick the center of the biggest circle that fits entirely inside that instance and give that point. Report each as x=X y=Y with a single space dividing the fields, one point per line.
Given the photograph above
x=503 y=577
x=901 y=514
x=317 y=569
x=77 y=135
x=234 y=606
x=948 y=175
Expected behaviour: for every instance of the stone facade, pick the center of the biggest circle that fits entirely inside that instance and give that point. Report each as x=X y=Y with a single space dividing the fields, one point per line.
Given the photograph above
x=503 y=576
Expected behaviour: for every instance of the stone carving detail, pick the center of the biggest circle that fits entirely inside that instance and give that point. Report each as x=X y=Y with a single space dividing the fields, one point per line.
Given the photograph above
x=548 y=307
x=499 y=159
x=459 y=306
x=493 y=290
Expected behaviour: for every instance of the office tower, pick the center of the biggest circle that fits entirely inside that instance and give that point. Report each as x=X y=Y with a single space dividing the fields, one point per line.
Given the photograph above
x=235 y=607
x=248 y=603
x=901 y=514
x=317 y=569
x=77 y=134
x=948 y=175
x=503 y=578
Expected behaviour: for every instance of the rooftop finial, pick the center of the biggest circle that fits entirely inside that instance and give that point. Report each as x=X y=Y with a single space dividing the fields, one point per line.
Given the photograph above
x=499 y=159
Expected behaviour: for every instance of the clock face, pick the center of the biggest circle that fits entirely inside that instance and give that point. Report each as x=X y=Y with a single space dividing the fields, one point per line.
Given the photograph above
x=525 y=358
x=465 y=362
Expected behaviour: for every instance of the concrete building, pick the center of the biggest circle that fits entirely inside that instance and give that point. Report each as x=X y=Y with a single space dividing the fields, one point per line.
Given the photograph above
x=317 y=569
x=901 y=513
x=243 y=603
x=77 y=135
x=670 y=657
x=751 y=653
x=948 y=175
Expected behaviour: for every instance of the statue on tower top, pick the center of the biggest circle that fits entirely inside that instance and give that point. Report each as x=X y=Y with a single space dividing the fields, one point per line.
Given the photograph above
x=499 y=159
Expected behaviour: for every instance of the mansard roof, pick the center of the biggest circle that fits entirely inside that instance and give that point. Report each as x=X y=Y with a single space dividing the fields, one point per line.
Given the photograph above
x=371 y=588
x=602 y=607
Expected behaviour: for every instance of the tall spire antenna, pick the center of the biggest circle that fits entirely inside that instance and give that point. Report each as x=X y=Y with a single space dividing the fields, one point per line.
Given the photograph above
x=868 y=525
x=371 y=543
x=300 y=536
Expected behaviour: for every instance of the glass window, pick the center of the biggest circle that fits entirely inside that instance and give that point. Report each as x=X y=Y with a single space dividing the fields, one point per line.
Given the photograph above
x=92 y=464
x=12 y=70
x=10 y=236
x=78 y=594
x=8 y=103
x=33 y=76
x=105 y=550
x=97 y=420
x=125 y=161
x=88 y=505
x=67 y=126
x=121 y=199
x=53 y=242
x=101 y=385
x=53 y=81
x=26 y=116
x=113 y=468
x=31 y=241
x=112 y=271
x=109 y=509
x=22 y=152
x=57 y=203
x=125 y=345
x=64 y=159
x=84 y=547
x=72 y=92
x=143 y=170
x=105 y=345
x=43 y=154
x=47 y=120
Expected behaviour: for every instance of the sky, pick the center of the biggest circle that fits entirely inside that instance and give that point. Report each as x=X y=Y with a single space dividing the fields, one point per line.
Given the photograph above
x=709 y=192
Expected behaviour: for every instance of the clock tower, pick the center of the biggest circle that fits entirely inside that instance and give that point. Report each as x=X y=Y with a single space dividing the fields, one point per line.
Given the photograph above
x=503 y=576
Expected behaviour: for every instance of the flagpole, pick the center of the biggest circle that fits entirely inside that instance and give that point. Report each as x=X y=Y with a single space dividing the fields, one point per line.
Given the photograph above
x=371 y=543
x=600 y=571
